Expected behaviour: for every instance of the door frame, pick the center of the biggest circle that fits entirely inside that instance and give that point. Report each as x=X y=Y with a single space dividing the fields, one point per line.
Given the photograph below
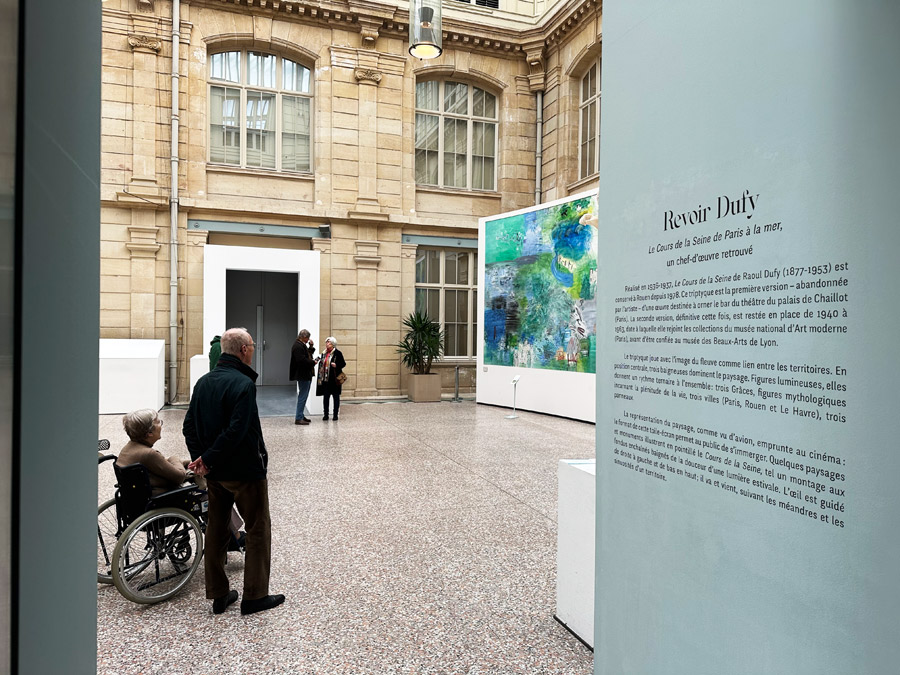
x=217 y=260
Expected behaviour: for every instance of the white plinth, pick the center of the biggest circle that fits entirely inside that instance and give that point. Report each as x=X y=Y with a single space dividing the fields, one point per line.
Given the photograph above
x=575 y=547
x=132 y=375
x=199 y=368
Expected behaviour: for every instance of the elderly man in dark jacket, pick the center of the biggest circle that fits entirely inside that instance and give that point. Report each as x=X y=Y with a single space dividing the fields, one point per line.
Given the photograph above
x=224 y=436
x=302 y=366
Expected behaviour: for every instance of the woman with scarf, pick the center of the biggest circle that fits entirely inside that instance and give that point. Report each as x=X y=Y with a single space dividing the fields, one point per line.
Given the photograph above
x=331 y=365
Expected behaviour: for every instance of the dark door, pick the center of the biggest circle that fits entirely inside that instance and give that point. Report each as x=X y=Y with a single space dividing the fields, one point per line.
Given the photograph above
x=265 y=303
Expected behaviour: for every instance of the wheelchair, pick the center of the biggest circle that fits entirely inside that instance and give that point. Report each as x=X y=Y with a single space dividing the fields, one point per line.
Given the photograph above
x=149 y=547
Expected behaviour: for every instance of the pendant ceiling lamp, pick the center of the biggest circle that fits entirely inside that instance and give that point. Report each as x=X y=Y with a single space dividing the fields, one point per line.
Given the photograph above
x=425 y=28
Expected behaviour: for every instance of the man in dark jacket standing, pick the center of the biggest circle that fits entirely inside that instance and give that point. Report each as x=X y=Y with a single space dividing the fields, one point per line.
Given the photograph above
x=302 y=367
x=224 y=436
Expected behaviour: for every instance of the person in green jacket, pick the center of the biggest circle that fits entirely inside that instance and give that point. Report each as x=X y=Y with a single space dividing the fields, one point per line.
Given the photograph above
x=215 y=351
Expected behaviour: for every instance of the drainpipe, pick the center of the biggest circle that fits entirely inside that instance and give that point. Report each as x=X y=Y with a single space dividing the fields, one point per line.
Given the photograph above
x=539 y=149
x=172 y=389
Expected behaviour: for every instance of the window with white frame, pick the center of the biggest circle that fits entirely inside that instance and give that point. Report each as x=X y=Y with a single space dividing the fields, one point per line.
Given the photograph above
x=456 y=135
x=260 y=111
x=589 y=123
x=447 y=292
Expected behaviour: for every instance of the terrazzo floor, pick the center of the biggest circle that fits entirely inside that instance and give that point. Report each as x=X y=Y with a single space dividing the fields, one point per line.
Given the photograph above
x=408 y=538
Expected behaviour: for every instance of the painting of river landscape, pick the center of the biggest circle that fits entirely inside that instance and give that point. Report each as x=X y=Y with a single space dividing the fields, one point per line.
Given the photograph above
x=540 y=288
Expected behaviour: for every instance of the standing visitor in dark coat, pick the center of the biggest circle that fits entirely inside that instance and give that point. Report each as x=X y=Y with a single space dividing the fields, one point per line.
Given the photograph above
x=303 y=366
x=331 y=364
x=224 y=437
x=215 y=351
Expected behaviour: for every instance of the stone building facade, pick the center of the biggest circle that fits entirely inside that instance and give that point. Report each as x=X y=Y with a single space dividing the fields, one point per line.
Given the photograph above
x=301 y=127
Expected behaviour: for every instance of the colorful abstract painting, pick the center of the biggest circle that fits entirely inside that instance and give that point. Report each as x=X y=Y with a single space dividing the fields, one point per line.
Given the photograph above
x=540 y=270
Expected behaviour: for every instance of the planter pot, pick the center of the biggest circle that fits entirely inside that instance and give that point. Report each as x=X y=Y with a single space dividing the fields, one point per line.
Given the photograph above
x=424 y=388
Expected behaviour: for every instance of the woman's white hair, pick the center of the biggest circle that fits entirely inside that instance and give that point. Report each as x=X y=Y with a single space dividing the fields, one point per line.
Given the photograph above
x=139 y=423
x=331 y=340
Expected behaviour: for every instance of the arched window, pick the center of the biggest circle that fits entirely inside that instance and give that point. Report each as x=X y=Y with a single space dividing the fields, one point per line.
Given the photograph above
x=456 y=135
x=260 y=111
x=589 y=123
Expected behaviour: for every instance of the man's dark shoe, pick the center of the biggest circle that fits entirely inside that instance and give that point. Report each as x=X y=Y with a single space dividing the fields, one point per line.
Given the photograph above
x=334 y=419
x=298 y=421
x=261 y=604
x=221 y=604
x=325 y=417
x=303 y=422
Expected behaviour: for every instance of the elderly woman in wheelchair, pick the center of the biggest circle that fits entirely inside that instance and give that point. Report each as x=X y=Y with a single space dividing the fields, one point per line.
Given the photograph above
x=150 y=535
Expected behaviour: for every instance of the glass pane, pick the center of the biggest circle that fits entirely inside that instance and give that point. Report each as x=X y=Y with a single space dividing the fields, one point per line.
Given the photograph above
x=225 y=66
x=420 y=299
x=260 y=70
x=451 y=347
x=483 y=103
x=462 y=307
x=295 y=139
x=462 y=268
x=427 y=267
x=427 y=131
x=463 y=338
x=433 y=305
x=427 y=95
x=224 y=128
x=450 y=268
x=490 y=143
x=260 y=129
x=294 y=76
x=487 y=182
x=456 y=98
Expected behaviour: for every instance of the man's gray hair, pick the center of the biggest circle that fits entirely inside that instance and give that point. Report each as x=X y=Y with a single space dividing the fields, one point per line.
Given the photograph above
x=303 y=334
x=139 y=423
x=233 y=339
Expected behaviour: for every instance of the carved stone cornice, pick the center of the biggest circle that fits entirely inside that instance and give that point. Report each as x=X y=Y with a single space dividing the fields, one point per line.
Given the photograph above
x=143 y=241
x=146 y=43
x=367 y=254
x=364 y=76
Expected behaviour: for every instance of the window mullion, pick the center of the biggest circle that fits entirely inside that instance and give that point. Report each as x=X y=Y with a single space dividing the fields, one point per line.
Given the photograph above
x=242 y=121
x=440 y=111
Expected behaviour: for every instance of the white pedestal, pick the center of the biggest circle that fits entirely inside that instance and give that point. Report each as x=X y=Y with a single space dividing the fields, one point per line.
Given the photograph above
x=199 y=368
x=575 y=547
x=132 y=375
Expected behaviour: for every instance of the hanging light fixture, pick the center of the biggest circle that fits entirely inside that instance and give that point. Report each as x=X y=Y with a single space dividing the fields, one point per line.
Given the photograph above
x=425 y=28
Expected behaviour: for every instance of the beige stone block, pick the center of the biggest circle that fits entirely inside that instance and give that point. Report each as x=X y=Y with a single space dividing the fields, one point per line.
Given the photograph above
x=115 y=301
x=114 y=319
x=345 y=152
x=116 y=58
x=346 y=136
x=345 y=168
x=344 y=89
x=389 y=338
x=115 y=332
x=115 y=266
x=389 y=142
x=343 y=277
x=345 y=121
x=343 y=307
x=388 y=307
x=345 y=292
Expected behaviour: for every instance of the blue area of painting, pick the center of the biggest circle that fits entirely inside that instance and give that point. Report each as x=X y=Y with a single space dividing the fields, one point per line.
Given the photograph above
x=494 y=326
x=533 y=244
x=565 y=278
x=571 y=239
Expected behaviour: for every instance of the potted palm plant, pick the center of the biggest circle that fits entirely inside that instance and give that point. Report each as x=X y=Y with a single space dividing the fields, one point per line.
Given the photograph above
x=422 y=345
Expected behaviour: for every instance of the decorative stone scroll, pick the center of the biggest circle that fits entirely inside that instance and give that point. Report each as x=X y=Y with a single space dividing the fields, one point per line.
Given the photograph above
x=144 y=42
x=365 y=76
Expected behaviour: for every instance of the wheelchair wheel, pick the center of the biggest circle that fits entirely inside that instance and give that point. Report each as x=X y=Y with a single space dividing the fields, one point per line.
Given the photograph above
x=157 y=555
x=107 y=526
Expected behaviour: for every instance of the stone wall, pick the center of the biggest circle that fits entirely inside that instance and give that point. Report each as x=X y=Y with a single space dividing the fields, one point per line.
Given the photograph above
x=362 y=186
